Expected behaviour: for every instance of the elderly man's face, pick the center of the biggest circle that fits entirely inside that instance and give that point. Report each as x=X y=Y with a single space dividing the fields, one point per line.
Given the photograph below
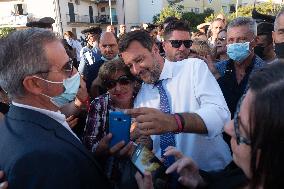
x=216 y=27
x=241 y=34
x=110 y=29
x=180 y=52
x=278 y=34
x=108 y=46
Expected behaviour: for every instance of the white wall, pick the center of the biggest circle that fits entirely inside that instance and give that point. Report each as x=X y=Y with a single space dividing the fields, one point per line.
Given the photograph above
x=147 y=10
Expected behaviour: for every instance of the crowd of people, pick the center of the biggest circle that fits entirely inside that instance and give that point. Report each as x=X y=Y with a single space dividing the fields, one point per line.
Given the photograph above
x=207 y=103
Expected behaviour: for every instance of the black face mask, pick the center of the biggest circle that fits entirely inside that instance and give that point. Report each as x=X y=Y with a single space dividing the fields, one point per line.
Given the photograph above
x=279 y=50
x=258 y=50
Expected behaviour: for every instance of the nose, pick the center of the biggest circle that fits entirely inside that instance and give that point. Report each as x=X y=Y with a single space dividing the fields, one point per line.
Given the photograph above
x=182 y=47
x=229 y=128
x=135 y=69
x=117 y=87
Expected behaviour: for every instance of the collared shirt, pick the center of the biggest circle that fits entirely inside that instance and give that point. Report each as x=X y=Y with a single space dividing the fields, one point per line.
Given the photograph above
x=57 y=116
x=232 y=90
x=191 y=87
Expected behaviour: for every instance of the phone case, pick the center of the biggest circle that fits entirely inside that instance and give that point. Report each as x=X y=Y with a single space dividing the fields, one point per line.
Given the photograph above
x=145 y=160
x=119 y=126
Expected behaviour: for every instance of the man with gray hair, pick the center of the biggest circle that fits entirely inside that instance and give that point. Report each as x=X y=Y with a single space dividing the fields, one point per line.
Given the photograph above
x=37 y=147
x=241 y=40
x=278 y=35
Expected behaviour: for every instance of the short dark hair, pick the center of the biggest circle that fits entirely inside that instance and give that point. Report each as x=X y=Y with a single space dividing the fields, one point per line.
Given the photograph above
x=179 y=25
x=142 y=36
x=170 y=19
x=109 y=68
x=267 y=126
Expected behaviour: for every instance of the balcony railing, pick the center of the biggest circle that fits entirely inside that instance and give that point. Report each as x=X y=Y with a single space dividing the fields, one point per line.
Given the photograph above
x=75 y=18
x=104 y=19
x=103 y=1
x=14 y=20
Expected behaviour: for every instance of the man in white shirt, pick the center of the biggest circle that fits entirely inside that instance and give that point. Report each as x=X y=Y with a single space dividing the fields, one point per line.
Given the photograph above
x=192 y=92
x=37 y=147
x=177 y=41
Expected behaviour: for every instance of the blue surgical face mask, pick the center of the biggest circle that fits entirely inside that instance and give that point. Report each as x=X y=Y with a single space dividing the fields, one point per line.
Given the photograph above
x=71 y=86
x=238 y=51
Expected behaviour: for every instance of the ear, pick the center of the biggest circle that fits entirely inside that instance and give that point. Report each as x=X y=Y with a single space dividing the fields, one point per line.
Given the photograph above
x=254 y=42
x=273 y=36
x=164 y=45
x=155 y=49
x=32 y=85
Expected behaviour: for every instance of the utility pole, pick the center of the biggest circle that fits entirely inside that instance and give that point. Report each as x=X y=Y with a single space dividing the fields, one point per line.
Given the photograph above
x=110 y=14
x=237 y=5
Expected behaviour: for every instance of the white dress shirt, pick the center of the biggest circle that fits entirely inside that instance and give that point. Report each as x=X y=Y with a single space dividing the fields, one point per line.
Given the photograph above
x=191 y=87
x=57 y=116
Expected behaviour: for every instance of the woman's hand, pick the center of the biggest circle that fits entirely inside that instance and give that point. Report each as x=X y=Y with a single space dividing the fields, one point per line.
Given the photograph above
x=186 y=168
x=3 y=185
x=144 y=182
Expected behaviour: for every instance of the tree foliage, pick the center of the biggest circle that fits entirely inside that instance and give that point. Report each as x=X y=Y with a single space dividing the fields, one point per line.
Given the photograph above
x=268 y=8
x=5 y=31
x=178 y=11
x=170 y=10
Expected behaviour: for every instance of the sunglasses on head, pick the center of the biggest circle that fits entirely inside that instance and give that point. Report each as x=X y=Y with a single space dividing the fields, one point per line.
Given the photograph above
x=122 y=80
x=178 y=43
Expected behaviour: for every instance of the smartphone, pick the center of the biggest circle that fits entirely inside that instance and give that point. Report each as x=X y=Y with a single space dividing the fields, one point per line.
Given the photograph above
x=119 y=127
x=145 y=160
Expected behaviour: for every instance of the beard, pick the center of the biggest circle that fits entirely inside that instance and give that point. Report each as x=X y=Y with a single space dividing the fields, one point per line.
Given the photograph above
x=181 y=55
x=151 y=75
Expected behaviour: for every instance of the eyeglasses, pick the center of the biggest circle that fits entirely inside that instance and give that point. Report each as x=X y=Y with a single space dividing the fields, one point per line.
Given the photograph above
x=178 y=43
x=122 y=80
x=240 y=139
x=221 y=39
x=67 y=69
x=111 y=46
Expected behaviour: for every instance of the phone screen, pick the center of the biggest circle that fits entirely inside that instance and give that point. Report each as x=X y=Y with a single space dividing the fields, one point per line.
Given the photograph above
x=119 y=127
x=145 y=160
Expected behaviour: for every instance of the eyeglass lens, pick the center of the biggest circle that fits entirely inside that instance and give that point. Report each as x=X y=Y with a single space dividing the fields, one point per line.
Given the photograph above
x=178 y=43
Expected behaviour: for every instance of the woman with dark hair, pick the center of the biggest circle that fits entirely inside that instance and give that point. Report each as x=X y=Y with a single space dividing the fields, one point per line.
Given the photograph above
x=257 y=132
x=122 y=88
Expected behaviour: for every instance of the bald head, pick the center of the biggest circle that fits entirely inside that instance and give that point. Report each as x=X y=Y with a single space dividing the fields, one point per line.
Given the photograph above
x=108 y=45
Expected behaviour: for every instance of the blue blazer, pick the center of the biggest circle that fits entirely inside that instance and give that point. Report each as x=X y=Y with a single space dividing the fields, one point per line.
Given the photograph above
x=38 y=152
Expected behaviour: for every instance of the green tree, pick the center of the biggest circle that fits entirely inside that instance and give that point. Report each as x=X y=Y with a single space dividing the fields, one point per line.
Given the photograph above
x=5 y=31
x=170 y=10
x=196 y=19
x=268 y=8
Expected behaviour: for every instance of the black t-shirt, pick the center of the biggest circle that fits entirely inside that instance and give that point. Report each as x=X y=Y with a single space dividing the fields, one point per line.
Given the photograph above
x=4 y=108
x=232 y=90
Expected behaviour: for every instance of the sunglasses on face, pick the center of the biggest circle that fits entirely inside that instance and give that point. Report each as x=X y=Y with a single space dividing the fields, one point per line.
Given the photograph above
x=122 y=80
x=67 y=69
x=178 y=43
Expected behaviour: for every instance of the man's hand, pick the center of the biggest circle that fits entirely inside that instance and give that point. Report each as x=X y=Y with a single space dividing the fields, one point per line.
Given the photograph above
x=144 y=182
x=3 y=185
x=152 y=121
x=185 y=167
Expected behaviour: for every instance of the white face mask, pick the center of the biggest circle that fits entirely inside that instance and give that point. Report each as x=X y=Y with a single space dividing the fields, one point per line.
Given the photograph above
x=71 y=86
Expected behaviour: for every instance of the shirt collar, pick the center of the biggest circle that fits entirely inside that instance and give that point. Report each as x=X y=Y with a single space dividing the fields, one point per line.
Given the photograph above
x=167 y=72
x=58 y=116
